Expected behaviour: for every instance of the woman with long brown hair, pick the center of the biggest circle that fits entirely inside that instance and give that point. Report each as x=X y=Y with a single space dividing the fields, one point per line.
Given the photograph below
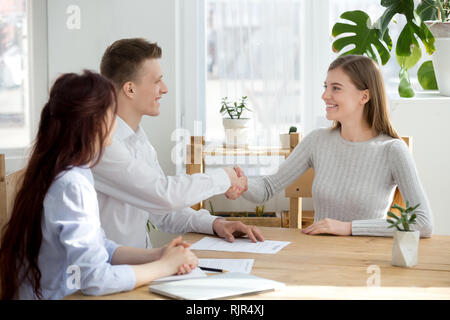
x=357 y=163
x=53 y=244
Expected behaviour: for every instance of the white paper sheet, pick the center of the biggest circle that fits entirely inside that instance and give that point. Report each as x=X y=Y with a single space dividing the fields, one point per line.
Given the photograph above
x=239 y=245
x=231 y=265
x=196 y=273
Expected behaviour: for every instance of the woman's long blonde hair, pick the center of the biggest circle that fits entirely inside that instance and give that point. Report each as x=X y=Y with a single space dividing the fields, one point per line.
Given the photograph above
x=365 y=74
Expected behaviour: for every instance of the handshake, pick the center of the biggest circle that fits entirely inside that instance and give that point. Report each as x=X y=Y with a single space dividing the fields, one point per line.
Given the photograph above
x=238 y=182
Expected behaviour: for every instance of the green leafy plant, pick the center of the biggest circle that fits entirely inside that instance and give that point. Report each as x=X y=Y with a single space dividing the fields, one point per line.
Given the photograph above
x=437 y=10
x=259 y=211
x=368 y=37
x=234 y=110
x=151 y=226
x=211 y=208
x=292 y=129
x=406 y=218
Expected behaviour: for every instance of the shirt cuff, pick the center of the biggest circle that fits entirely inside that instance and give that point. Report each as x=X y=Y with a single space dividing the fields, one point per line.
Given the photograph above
x=373 y=227
x=220 y=179
x=205 y=222
x=120 y=278
x=125 y=276
x=110 y=247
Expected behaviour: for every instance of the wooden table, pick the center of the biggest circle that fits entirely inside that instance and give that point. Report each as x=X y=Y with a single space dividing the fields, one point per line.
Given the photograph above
x=332 y=267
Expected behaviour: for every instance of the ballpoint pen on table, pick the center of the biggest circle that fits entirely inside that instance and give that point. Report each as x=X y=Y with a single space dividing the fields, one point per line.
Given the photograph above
x=212 y=269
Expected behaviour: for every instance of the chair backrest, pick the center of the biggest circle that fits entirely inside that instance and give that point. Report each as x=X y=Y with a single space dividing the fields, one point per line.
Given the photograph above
x=302 y=188
x=9 y=186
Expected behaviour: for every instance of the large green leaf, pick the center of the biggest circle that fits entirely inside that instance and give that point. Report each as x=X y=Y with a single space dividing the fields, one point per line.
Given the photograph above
x=404 y=88
x=393 y=7
x=428 y=10
x=426 y=76
x=408 y=62
x=413 y=28
x=363 y=35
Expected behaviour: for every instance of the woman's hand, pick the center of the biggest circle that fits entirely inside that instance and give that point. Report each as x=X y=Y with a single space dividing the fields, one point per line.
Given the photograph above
x=177 y=242
x=177 y=257
x=330 y=226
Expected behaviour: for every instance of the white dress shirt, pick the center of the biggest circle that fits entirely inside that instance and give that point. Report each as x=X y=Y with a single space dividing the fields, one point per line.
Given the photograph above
x=74 y=246
x=132 y=188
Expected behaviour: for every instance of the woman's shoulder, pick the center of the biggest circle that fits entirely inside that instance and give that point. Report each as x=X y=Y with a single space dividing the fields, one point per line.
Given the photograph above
x=320 y=133
x=73 y=179
x=394 y=145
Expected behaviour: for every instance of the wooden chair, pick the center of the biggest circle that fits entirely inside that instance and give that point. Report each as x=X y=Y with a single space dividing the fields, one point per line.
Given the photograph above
x=9 y=186
x=299 y=189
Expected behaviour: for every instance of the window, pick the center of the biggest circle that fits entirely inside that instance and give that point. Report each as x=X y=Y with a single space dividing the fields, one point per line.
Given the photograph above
x=14 y=106
x=253 y=49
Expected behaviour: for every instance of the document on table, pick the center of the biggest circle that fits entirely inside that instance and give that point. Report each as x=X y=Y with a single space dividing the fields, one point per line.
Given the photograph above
x=196 y=273
x=239 y=245
x=231 y=265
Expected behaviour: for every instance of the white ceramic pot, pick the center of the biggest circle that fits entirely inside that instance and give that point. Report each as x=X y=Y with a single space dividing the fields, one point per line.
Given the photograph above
x=441 y=61
x=285 y=141
x=404 y=251
x=236 y=132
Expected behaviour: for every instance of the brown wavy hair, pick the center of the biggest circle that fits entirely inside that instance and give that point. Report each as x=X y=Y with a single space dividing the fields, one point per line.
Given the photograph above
x=365 y=74
x=73 y=124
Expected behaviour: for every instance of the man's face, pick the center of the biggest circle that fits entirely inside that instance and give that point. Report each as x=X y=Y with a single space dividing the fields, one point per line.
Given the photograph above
x=148 y=88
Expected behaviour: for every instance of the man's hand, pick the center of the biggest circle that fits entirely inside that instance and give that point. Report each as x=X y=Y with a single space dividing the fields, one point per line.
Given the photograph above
x=238 y=183
x=330 y=226
x=231 y=229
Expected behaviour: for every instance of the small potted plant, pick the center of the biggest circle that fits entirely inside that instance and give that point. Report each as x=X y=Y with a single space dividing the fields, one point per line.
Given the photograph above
x=285 y=140
x=406 y=241
x=436 y=15
x=235 y=125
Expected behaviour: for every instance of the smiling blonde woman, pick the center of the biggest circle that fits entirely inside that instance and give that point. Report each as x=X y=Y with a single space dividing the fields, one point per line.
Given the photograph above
x=358 y=162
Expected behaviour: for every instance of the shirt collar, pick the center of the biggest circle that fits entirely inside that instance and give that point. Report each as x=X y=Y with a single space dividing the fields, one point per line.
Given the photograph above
x=124 y=131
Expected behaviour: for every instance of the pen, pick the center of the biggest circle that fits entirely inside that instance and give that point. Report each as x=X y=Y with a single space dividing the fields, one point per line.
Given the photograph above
x=211 y=269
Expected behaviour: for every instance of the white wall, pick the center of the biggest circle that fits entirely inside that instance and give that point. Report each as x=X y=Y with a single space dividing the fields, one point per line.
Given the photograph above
x=425 y=118
x=103 y=22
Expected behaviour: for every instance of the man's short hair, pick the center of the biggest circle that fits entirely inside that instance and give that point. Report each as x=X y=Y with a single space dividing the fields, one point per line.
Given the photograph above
x=122 y=60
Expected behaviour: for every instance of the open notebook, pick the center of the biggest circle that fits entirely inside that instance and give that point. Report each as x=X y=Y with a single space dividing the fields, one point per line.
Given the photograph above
x=224 y=285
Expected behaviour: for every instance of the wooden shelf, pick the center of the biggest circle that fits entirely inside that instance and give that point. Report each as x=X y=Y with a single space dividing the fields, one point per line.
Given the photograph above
x=195 y=163
x=250 y=151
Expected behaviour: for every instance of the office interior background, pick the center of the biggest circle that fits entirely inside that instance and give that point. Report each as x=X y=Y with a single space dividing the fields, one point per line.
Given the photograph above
x=276 y=52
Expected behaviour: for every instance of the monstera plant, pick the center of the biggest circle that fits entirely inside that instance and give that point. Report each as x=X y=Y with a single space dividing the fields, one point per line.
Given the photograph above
x=370 y=38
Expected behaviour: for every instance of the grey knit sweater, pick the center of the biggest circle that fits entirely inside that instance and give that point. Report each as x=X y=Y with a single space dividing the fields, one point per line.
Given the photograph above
x=354 y=181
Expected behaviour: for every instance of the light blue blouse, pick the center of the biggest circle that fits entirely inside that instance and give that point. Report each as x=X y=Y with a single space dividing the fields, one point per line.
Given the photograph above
x=75 y=253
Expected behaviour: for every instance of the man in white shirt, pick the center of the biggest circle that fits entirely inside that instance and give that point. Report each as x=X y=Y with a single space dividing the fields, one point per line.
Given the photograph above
x=131 y=186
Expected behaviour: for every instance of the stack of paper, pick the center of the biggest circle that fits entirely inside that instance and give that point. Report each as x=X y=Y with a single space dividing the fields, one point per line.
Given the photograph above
x=239 y=245
x=230 y=265
x=196 y=273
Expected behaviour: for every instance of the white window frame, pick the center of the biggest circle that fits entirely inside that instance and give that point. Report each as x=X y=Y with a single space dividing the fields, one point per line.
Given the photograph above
x=37 y=75
x=315 y=59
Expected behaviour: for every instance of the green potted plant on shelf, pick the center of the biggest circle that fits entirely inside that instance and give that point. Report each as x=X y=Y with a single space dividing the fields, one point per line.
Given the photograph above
x=406 y=241
x=436 y=14
x=259 y=211
x=235 y=125
x=285 y=139
x=368 y=37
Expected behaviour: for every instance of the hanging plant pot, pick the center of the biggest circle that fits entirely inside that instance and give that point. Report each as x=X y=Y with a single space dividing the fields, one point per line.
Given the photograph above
x=441 y=61
x=404 y=251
